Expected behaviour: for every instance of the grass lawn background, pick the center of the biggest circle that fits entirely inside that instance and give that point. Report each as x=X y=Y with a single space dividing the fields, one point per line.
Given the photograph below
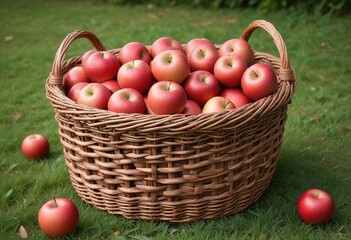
x=316 y=147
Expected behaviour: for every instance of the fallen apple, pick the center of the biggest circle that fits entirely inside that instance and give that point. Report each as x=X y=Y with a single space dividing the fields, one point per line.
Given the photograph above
x=35 y=146
x=58 y=217
x=315 y=207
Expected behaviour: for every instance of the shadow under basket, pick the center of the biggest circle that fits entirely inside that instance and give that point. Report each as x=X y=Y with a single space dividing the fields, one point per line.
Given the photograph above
x=176 y=168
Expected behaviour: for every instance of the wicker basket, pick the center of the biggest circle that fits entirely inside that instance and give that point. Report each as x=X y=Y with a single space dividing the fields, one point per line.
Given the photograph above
x=177 y=168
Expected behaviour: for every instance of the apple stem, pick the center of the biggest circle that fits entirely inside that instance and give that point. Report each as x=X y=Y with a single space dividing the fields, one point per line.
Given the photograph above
x=256 y=75
x=226 y=104
x=56 y=205
x=202 y=53
x=316 y=195
x=169 y=85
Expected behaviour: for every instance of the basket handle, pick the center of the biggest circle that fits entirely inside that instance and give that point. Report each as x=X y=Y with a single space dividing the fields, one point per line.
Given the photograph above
x=56 y=75
x=286 y=72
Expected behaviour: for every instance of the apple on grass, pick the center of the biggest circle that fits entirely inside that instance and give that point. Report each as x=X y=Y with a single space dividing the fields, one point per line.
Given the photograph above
x=100 y=66
x=134 y=51
x=259 y=81
x=164 y=43
x=94 y=95
x=200 y=86
x=112 y=85
x=203 y=57
x=166 y=97
x=74 y=76
x=217 y=104
x=229 y=69
x=170 y=65
x=58 y=217
x=315 y=207
x=73 y=92
x=135 y=74
x=239 y=47
x=191 y=107
x=35 y=146
x=126 y=100
x=236 y=96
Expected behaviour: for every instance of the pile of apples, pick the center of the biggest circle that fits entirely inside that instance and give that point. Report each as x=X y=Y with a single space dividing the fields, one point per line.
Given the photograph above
x=170 y=78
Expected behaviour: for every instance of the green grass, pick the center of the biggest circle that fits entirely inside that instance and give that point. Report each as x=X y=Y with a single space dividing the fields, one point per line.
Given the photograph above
x=316 y=147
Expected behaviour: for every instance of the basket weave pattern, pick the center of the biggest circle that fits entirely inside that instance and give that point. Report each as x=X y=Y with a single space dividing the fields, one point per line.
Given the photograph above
x=177 y=168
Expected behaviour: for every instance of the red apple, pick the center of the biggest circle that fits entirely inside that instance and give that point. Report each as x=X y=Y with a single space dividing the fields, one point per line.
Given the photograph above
x=170 y=65
x=126 y=100
x=315 y=207
x=217 y=104
x=259 y=81
x=134 y=51
x=164 y=43
x=73 y=93
x=236 y=96
x=203 y=57
x=191 y=107
x=148 y=109
x=166 y=97
x=112 y=85
x=58 y=217
x=87 y=54
x=135 y=74
x=94 y=95
x=239 y=47
x=73 y=76
x=229 y=69
x=200 y=86
x=101 y=66
x=193 y=43
x=35 y=146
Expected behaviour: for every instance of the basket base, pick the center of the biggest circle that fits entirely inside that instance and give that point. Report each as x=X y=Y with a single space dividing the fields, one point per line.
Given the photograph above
x=188 y=210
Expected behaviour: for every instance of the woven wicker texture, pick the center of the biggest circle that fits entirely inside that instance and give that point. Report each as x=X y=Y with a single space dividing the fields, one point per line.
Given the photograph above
x=177 y=168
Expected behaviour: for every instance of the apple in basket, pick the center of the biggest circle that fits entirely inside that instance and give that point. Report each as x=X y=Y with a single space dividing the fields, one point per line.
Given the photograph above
x=135 y=74
x=191 y=107
x=315 y=207
x=229 y=69
x=73 y=92
x=217 y=104
x=259 y=81
x=164 y=43
x=148 y=109
x=87 y=54
x=126 y=100
x=236 y=96
x=100 y=66
x=196 y=42
x=134 y=51
x=203 y=57
x=35 y=146
x=170 y=65
x=200 y=86
x=58 y=217
x=73 y=76
x=239 y=47
x=166 y=97
x=112 y=85
x=94 y=95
